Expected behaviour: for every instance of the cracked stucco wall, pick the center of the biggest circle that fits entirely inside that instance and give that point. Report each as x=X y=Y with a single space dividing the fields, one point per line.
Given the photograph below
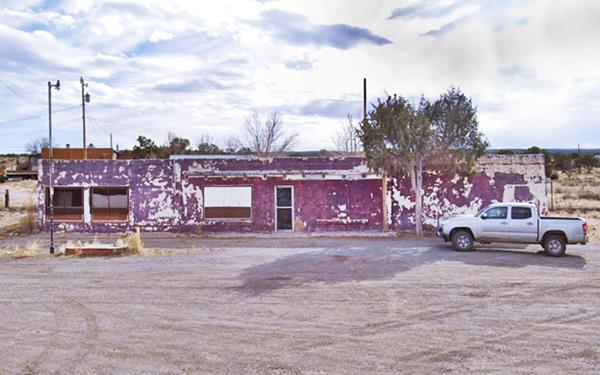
x=497 y=178
x=330 y=194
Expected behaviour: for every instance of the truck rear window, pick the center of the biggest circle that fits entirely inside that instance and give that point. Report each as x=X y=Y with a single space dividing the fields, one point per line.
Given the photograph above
x=520 y=213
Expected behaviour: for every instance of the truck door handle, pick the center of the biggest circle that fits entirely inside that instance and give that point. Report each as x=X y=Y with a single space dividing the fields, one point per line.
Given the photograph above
x=530 y=223
x=504 y=222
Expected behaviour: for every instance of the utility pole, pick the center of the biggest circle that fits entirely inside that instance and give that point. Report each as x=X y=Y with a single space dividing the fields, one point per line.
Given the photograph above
x=85 y=98
x=51 y=162
x=364 y=99
x=579 y=157
x=111 y=141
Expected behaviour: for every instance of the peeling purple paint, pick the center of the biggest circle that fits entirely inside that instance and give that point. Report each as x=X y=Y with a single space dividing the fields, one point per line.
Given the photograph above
x=330 y=194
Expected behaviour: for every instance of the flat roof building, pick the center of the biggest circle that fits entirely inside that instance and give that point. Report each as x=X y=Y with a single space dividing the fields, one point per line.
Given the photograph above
x=251 y=194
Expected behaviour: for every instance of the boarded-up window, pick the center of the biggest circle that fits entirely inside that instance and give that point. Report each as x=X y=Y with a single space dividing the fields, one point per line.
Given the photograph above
x=67 y=202
x=109 y=203
x=227 y=202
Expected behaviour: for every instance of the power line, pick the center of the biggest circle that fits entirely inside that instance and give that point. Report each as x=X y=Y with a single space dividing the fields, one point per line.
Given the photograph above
x=14 y=91
x=93 y=118
x=37 y=116
x=33 y=132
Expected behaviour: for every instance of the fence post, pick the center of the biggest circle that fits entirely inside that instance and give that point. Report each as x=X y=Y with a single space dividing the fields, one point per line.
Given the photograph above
x=551 y=195
x=6 y=198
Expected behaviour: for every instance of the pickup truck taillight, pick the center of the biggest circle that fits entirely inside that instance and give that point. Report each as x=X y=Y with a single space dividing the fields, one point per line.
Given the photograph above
x=585 y=227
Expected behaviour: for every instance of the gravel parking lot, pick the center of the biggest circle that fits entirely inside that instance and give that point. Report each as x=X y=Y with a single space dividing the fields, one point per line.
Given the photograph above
x=303 y=305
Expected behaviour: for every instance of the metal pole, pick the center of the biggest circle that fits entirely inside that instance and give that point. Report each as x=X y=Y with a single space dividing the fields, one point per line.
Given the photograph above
x=552 y=195
x=83 y=117
x=51 y=189
x=364 y=99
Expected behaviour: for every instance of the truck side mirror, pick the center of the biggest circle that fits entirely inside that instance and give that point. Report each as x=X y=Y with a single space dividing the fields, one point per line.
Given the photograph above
x=484 y=216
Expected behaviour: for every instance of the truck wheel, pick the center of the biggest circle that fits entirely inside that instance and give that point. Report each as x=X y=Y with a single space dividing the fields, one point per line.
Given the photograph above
x=555 y=245
x=462 y=240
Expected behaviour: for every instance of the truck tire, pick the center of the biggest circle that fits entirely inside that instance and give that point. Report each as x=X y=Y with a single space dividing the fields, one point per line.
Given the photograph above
x=462 y=240
x=555 y=245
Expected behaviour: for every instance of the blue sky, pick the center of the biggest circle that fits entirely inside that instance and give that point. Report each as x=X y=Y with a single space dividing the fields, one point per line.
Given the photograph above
x=199 y=68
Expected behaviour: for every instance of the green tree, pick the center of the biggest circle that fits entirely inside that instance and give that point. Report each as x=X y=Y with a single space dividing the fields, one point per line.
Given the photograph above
x=533 y=150
x=548 y=165
x=145 y=149
x=400 y=138
x=177 y=145
x=562 y=162
x=206 y=145
x=505 y=152
x=588 y=161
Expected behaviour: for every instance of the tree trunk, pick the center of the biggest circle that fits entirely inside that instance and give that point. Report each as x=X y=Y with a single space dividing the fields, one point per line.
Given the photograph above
x=419 y=197
x=416 y=181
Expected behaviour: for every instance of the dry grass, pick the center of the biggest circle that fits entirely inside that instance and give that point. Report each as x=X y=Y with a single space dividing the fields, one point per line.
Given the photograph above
x=579 y=195
x=16 y=222
x=21 y=218
x=134 y=242
x=19 y=251
x=591 y=195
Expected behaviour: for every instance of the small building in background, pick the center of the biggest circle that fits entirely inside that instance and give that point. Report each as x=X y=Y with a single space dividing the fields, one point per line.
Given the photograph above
x=73 y=153
x=18 y=167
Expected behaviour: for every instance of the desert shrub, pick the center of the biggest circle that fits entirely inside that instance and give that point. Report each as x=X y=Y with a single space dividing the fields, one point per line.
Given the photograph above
x=27 y=223
x=567 y=196
x=587 y=194
x=16 y=250
x=134 y=242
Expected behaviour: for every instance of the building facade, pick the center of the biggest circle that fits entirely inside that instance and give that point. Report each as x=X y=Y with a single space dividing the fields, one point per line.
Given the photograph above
x=247 y=194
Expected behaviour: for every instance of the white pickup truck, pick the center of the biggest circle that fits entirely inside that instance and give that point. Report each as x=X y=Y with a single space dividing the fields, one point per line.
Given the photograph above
x=516 y=223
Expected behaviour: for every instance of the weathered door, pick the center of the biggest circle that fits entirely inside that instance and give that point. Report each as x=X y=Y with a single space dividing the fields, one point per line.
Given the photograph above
x=284 y=208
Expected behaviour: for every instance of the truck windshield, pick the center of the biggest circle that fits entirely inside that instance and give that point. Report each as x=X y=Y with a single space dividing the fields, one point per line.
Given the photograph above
x=482 y=210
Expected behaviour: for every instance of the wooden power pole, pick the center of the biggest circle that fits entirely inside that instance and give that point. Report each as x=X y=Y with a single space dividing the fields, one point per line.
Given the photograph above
x=85 y=98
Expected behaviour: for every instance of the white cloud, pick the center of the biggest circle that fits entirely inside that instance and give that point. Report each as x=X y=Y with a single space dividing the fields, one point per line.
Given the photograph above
x=160 y=35
x=197 y=67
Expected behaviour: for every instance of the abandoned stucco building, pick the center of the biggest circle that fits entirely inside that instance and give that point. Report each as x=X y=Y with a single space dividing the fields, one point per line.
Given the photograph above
x=249 y=194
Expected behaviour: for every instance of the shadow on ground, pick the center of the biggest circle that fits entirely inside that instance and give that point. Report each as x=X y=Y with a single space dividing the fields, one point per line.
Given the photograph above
x=336 y=265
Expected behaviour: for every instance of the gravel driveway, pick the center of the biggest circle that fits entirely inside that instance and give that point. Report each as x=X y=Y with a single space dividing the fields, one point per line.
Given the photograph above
x=303 y=305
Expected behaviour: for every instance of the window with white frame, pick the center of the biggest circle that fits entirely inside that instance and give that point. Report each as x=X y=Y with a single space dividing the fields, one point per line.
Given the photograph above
x=67 y=202
x=109 y=203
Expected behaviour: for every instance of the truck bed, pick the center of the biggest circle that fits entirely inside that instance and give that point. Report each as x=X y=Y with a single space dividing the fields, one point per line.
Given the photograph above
x=558 y=218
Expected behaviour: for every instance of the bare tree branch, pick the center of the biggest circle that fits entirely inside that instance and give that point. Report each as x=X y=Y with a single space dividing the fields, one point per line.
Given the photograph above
x=346 y=138
x=265 y=138
x=34 y=146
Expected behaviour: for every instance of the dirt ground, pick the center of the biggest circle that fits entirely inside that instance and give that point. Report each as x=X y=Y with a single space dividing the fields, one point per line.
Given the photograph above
x=302 y=306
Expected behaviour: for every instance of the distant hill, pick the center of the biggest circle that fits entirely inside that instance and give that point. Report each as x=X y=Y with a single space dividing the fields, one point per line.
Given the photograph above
x=594 y=151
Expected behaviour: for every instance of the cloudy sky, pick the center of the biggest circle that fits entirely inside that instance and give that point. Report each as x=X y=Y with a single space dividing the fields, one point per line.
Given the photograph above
x=200 y=67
